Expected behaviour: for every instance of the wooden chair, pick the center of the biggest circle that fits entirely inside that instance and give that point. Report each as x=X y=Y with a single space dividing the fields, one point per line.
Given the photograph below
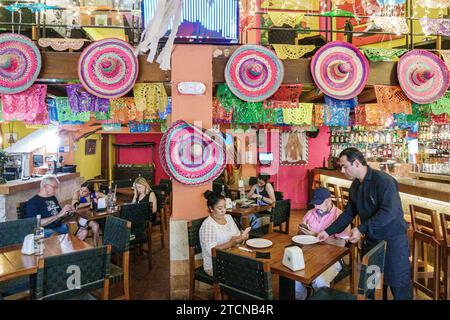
x=425 y=224
x=278 y=195
x=371 y=278
x=117 y=235
x=161 y=212
x=241 y=277
x=196 y=273
x=445 y=221
x=140 y=216
x=11 y=233
x=281 y=214
x=344 y=196
x=334 y=193
x=90 y=267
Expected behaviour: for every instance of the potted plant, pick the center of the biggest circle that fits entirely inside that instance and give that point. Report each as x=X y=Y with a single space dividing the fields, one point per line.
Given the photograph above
x=3 y=159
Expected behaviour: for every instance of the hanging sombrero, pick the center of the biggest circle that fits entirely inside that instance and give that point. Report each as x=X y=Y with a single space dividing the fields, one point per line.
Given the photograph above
x=190 y=156
x=340 y=70
x=423 y=76
x=108 y=68
x=254 y=73
x=20 y=63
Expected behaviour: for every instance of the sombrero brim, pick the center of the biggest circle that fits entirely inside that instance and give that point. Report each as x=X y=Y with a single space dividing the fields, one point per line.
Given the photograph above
x=431 y=90
x=101 y=84
x=337 y=52
x=254 y=88
x=182 y=164
x=27 y=63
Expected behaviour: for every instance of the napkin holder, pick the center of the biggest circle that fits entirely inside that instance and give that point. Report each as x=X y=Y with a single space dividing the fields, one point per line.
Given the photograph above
x=293 y=258
x=228 y=203
x=101 y=203
x=28 y=244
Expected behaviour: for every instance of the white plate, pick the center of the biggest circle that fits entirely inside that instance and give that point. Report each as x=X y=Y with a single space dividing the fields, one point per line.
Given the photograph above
x=305 y=239
x=259 y=243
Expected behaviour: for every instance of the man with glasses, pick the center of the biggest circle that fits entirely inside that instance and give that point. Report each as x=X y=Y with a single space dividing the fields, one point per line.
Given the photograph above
x=46 y=204
x=374 y=196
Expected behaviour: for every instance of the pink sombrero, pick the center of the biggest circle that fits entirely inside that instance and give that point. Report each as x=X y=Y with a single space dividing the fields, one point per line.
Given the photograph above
x=108 y=68
x=190 y=156
x=340 y=70
x=20 y=63
x=423 y=76
x=254 y=73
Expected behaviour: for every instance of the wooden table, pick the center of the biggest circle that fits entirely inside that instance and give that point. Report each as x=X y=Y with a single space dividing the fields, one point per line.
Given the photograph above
x=245 y=212
x=14 y=264
x=318 y=258
x=92 y=215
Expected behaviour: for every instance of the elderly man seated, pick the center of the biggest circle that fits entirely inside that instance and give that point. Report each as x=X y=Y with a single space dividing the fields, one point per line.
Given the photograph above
x=315 y=221
x=46 y=205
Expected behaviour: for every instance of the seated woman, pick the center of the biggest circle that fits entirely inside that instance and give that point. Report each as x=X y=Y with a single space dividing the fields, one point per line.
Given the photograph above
x=315 y=221
x=264 y=195
x=82 y=198
x=143 y=193
x=218 y=230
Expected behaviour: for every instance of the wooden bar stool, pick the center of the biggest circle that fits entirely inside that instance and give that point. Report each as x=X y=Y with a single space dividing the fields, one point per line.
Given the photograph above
x=425 y=224
x=445 y=222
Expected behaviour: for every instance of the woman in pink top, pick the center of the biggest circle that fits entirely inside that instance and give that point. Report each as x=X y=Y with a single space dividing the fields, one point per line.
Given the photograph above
x=315 y=221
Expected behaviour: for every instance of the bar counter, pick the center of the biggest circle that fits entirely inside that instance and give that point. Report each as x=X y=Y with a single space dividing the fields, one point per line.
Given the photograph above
x=16 y=191
x=433 y=195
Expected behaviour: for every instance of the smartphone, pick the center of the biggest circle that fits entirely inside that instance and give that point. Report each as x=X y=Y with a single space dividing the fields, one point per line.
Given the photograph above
x=247 y=230
x=304 y=226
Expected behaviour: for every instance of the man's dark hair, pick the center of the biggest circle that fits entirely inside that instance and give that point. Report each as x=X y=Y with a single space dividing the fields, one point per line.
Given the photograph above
x=353 y=154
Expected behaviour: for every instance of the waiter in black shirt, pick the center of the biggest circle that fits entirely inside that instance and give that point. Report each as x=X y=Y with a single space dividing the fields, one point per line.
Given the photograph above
x=374 y=197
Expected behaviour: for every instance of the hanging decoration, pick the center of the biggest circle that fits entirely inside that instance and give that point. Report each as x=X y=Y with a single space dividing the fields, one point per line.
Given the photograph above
x=381 y=54
x=436 y=27
x=20 y=63
x=375 y=114
x=150 y=96
x=360 y=115
x=247 y=15
x=61 y=44
x=287 y=96
x=122 y=110
x=391 y=24
x=167 y=111
x=300 y=115
x=82 y=101
x=342 y=2
x=338 y=13
x=139 y=127
x=65 y=113
x=254 y=73
x=442 y=105
x=108 y=68
x=393 y=99
x=433 y=4
x=112 y=126
x=167 y=13
x=285 y=4
x=340 y=70
x=336 y=116
x=291 y=51
x=445 y=55
x=219 y=114
x=280 y=18
x=423 y=76
x=319 y=115
x=350 y=103
x=190 y=156
x=28 y=105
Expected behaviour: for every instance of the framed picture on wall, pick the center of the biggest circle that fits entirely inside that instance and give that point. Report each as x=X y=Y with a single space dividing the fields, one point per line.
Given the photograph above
x=91 y=145
x=293 y=148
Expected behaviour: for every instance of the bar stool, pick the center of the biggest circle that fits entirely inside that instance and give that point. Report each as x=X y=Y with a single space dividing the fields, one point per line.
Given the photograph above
x=445 y=222
x=344 y=195
x=425 y=224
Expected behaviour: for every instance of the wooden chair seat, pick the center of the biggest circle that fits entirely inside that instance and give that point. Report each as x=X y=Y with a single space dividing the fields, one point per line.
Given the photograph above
x=332 y=294
x=202 y=276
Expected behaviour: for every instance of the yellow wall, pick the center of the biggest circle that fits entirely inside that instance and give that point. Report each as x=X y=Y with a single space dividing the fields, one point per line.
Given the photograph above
x=88 y=166
x=19 y=128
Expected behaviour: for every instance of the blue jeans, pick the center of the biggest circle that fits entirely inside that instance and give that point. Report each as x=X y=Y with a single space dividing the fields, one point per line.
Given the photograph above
x=61 y=230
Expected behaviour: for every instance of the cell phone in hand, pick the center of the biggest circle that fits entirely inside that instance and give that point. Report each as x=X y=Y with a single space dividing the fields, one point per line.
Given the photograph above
x=304 y=226
x=247 y=230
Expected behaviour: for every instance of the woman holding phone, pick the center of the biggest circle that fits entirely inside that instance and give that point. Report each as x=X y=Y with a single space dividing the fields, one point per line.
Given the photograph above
x=218 y=230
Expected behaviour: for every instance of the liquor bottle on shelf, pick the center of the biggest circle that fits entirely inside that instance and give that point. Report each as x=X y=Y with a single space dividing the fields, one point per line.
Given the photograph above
x=376 y=138
x=388 y=137
x=394 y=137
x=370 y=137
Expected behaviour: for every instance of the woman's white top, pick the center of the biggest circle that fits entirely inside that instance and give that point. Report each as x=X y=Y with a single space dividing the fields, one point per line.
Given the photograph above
x=213 y=234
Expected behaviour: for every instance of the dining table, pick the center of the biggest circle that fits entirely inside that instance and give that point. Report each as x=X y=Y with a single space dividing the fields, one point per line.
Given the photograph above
x=92 y=215
x=13 y=263
x=244 y=212
x=318 y=257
